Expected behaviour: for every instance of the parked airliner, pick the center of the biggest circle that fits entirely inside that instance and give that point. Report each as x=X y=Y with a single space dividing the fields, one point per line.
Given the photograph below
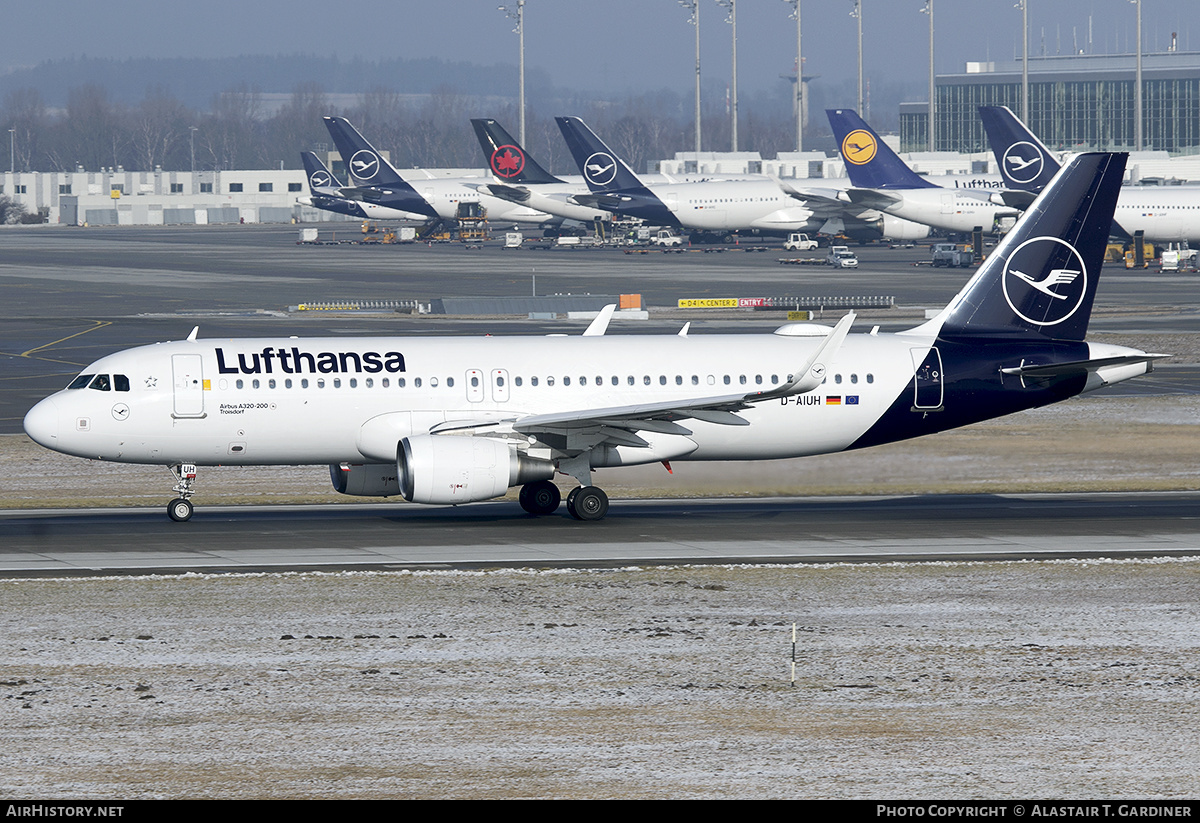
x=882 y=181
x=449 y=420
x=376 y=180
x=522 y=180
x=1164 y=214
x=325 y=193
x=713 y=205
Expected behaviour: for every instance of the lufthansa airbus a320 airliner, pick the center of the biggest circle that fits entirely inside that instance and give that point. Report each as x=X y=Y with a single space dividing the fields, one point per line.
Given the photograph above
x=461 y=419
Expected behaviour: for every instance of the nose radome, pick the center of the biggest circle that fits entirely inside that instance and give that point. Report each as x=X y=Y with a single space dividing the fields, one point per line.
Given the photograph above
x=41 y=424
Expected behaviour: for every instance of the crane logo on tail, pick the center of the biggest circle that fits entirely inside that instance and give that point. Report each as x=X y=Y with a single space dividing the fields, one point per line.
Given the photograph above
x=320 y=179
x=1045 y=280
x=1023 y=162
x=364 y=164
x=859 y=147
x=600 y=169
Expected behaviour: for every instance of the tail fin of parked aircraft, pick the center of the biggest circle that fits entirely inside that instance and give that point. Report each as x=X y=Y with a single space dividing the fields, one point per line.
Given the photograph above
x=1024 y=161
x=1040 y=281
x=320 y=179
x=365 y=165
x=507 y=158
x=870 y=163
x=599 y=165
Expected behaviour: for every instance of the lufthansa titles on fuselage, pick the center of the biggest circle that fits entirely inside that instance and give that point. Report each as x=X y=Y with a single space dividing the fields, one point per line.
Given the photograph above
x=295 y=361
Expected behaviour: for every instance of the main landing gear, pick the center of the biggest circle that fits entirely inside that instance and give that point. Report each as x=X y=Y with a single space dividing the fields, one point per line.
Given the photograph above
x=180 y=509
x=583 y=502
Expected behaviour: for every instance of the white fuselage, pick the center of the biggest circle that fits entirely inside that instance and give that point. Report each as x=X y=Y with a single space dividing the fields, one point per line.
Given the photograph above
x=953 y=210
x=1166 y=214
x=446 y=194
x=328 y=400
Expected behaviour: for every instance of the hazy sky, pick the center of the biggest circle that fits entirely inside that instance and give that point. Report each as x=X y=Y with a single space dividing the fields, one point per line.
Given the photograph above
x=613 y=44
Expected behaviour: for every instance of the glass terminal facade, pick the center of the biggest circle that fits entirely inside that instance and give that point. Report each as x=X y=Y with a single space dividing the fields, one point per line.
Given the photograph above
x=1078 y=102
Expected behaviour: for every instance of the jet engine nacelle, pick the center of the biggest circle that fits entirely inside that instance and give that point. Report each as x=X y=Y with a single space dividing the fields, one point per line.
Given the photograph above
x=369 y=480
x=456 y=469
x=896 y=228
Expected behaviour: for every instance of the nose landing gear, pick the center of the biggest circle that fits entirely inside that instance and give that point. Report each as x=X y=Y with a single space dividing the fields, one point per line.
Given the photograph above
x=180 y=509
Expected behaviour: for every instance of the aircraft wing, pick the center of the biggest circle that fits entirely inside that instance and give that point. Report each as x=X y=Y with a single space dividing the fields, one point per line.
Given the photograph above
x=513 y=194
x=872 y=198
x=620 y=424
x=1014 y=198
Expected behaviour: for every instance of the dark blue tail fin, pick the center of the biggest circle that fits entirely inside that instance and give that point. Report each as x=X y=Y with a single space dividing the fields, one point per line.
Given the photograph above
x=1024 y=162
x=320 y=179
x=870 y=163
x=599 y=165
x=507 y=159
x=365 y=165
x=372 y=178
x=1041 y=280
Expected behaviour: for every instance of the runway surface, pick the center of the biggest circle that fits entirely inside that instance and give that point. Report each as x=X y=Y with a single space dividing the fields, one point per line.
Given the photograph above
x=787 y=530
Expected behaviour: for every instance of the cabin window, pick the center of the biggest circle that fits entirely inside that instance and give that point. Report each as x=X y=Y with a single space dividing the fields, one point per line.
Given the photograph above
x=629 y=380
x=254 y=383
x=695 y=380
x=369 y=383
x=450 y=382
x=416 y=382
x=400 y=382
x=337 y=382
x=304 y=382
x=385 y=382
x=615 y=380
x=499 y=381
x=837 y=378
x=516 y=380
x=662 y=380
x=566 y=381
x=287 y=384
x=742 y=379
x=320 y=382
x=550 y=381
x=679 y=380
x=239 y=384
x=774 y=379
x=533 y=381
x=712 y=380
x=727 y=381
x=433 y=382
x=646 y=379
x=758 y=379
x=854 y=378
x=599 y=380
x=81 y=381
x=271 y=383
x=870 y=378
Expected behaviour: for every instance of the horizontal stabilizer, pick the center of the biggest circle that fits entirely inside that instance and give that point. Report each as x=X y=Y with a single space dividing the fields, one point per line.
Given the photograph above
x=1077 y=367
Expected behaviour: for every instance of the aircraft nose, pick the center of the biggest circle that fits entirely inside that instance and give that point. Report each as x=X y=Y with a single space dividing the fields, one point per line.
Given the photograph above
x=41 y=424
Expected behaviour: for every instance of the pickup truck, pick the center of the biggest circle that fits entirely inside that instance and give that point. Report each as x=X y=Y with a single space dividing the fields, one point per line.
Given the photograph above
x=840 y=257
x=667 y=238
x=799 y=242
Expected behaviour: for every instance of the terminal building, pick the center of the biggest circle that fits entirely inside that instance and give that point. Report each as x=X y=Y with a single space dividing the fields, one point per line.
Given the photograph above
x=1077 y=102
x=114 y=196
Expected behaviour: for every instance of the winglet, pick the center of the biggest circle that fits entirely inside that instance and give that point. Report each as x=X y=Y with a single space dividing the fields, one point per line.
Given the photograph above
x=812 y=374
x=600 y=324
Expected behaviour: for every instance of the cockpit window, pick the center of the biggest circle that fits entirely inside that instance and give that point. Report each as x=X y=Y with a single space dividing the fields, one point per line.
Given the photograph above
x=102 y=382
x=81 y=381
x=120 y=382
